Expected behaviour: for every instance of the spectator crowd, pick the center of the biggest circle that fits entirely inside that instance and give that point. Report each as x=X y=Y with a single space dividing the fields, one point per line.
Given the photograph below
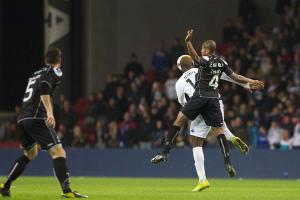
x=135 y=108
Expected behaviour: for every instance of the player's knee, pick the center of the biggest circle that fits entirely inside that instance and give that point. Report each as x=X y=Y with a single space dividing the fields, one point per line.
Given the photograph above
x=196 y=141
x=57 y=152
x=31 y=153
x=217 y=130
x=180 y=120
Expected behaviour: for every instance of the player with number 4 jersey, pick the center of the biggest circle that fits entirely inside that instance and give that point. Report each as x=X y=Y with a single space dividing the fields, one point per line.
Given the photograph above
x=185 y=88
x=205 y=99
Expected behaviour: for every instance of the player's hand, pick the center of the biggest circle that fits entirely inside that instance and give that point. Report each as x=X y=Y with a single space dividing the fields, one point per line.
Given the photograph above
x=256 y=85
x=159 y=158
x=50 y=122
x=189 y=35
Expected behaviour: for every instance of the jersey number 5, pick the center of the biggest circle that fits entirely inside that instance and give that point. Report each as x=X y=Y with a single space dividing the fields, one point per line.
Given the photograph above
x=214 y=82
x=29 y=90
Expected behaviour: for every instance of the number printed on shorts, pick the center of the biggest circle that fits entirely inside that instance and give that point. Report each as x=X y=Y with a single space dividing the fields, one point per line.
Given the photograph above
x=29 y=89
x=214 y=82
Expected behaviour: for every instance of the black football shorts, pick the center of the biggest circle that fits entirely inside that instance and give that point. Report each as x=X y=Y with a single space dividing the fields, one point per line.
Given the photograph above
x=209 y=108
x=35 y=131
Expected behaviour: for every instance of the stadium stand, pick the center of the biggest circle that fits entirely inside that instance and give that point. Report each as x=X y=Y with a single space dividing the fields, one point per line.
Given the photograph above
x=135 y=108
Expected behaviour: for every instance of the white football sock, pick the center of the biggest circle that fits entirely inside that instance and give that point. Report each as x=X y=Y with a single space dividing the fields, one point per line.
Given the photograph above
x=229 y=136
x=199 y=163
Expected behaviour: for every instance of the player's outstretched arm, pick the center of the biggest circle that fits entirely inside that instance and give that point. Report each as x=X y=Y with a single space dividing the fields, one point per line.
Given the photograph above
x=254 y=84
x=192 y=52
x=228 y=79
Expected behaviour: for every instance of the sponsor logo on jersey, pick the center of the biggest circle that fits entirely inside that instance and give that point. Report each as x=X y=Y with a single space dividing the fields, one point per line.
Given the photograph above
x=57 y=71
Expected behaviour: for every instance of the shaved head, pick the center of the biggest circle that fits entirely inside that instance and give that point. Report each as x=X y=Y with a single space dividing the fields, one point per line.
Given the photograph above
x=208 y=47
x=185 y=62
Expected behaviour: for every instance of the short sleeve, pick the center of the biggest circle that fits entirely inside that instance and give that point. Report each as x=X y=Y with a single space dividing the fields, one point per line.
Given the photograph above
x=227 y=70
x=53 y=77
x=203 y=61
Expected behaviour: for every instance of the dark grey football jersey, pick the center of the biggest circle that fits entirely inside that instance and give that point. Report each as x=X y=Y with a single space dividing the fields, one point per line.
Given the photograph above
x=210 y=69
x=32 y=106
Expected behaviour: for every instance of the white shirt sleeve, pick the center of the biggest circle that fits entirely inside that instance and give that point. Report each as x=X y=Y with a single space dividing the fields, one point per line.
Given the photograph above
x=180 y=93
x=227 y=78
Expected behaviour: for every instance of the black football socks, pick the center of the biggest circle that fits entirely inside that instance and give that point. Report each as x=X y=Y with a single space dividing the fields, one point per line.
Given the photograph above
x=172 y=133
x=62 y=173
x=224 y=148
x=16 y=171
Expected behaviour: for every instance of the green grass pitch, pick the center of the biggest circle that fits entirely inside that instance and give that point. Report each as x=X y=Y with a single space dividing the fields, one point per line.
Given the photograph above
x=44 y=188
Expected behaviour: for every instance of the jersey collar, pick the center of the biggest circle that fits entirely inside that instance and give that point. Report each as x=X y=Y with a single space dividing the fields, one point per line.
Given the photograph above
x=188 y=71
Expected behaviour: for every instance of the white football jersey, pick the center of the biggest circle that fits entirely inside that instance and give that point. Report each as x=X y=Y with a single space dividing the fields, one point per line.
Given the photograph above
x=186 y=85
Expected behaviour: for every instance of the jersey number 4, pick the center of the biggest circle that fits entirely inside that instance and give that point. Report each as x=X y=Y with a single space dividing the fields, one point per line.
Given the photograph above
x=214 y=82
x=29 y=90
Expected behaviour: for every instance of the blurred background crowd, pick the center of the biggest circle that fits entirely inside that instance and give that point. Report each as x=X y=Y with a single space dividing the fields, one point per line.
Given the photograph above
x=135 y=108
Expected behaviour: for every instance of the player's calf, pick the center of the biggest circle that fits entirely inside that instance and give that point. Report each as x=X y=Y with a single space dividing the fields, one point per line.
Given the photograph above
x=61 y=170
x=58 y=155
x=172 y=133
x=225 y=151
x=17 y=169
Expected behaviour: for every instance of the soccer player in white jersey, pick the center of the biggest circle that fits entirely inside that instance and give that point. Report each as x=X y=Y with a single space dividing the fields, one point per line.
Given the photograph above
x=185 y=88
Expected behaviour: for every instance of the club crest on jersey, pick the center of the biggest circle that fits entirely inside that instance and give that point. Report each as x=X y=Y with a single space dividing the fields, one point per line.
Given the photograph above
x=57 y=71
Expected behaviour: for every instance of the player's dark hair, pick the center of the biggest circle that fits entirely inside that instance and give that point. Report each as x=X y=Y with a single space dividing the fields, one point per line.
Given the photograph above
x=53 y=55
x=210 y=45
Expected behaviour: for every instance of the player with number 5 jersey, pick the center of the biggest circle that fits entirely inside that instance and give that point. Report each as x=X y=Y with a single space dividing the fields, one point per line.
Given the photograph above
x=37 y=125
x=32 y=106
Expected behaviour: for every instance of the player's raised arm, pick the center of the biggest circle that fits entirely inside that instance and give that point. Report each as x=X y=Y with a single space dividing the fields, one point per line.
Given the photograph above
x=192 y=52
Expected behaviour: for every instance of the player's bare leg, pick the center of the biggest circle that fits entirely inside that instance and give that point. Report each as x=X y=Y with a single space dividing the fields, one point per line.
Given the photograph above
x=58 y=155
x=17 y=169
x=172 y=133
x=219 y=131
x=236 y=141
x=198 y=155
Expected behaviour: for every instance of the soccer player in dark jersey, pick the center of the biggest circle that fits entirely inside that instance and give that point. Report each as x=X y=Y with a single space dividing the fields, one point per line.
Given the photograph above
x=37 y=123
x=205 y=100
